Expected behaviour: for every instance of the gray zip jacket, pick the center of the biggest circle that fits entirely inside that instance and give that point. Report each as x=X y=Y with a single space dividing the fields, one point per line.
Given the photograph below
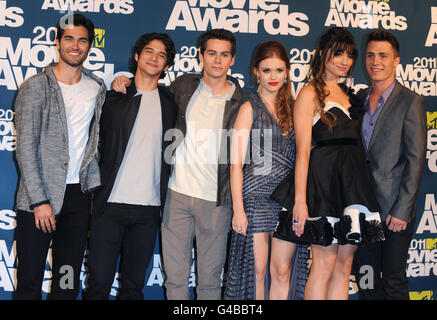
x=42 y=142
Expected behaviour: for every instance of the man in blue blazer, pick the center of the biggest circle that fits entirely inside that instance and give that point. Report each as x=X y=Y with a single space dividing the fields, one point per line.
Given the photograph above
x=394 y=136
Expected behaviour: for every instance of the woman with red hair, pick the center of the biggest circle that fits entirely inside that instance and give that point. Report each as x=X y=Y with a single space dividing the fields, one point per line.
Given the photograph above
x=263 y=129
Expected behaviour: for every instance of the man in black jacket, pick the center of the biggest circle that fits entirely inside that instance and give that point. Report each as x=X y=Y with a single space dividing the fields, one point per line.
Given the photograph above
x=126 y=213
x=199 y=202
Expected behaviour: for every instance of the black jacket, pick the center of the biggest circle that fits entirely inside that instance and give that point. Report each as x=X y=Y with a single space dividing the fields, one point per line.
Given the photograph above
x=116 y=124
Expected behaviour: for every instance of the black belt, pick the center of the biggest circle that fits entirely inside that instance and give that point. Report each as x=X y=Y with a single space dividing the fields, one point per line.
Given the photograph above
x=336 y=142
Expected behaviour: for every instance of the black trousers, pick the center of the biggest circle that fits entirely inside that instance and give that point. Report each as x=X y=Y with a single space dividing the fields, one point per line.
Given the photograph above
x=124 y=230
x=68 y=246
x=380 y=269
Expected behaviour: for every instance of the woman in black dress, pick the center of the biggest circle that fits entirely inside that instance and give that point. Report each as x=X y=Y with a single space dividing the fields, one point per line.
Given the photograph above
x=335 y=208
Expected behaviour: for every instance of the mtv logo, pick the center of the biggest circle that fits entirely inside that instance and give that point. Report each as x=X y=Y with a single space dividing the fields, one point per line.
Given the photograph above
x=421 y=295
x=431 y=243
x=431 y=120
x=99 y=40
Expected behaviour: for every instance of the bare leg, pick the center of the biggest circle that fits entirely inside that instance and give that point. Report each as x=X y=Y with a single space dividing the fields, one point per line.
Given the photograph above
x=280 y=266
x=322 y=268
x=261 y=254
x=338 y=287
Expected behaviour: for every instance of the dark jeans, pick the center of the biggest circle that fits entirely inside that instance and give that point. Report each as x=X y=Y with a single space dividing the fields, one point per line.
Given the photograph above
x=129 y=230
x=388 y=262
x=68 y=246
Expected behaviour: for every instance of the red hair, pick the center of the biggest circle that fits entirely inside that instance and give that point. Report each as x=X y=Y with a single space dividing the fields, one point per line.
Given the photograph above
x=284 y=101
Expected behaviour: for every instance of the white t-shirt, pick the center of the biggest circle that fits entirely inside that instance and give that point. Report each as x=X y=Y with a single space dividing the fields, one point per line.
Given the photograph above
x=79 y=101
x=139 y=177
x=196 y=159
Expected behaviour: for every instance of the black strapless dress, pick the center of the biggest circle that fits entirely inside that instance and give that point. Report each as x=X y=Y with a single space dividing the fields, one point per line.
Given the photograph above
x=341 y=203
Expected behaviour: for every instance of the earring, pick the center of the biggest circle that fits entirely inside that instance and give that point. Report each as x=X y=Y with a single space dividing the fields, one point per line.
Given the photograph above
x=257 y=80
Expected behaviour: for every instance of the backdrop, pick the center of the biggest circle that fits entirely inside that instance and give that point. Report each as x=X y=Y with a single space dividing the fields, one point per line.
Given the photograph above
x=27 y=36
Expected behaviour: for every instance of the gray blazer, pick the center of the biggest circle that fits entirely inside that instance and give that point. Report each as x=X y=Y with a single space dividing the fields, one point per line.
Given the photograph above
x=42 y=142
x=397 y=151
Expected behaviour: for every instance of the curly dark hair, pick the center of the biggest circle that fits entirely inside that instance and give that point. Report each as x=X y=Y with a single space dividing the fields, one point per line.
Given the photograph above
x=146 y=39
x=332 y=42
x=284 y=100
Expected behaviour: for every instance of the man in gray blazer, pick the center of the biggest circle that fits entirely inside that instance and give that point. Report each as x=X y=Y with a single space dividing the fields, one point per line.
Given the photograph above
x=57 y=121
x=394 y=136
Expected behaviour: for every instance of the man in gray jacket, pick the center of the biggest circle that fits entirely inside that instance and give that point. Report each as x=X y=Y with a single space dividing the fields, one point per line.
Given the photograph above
x=57 y=118
x=394 y=136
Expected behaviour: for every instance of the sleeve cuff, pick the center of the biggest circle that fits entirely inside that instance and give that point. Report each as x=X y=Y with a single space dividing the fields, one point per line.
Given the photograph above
x=33 y=206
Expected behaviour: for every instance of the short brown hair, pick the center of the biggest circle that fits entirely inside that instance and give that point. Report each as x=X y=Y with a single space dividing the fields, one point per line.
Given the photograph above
x=220 y=34
x=383 y=35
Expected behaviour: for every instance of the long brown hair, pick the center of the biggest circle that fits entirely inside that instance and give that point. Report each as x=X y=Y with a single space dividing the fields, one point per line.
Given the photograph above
x=284 y=101
x=334 y=42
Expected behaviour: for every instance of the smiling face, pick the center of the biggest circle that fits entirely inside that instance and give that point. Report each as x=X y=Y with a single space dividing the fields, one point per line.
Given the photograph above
x=217 y=58
x=381 y=62
x=272 y=73
x=73 y=46
x=338 y=65
x=152 y=59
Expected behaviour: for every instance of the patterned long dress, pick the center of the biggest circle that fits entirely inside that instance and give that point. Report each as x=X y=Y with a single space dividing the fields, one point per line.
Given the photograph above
x=272 y=158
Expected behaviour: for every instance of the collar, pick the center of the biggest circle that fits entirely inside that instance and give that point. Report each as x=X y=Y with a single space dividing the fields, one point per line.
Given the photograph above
x=238 y=92
x=384 y=97
x=51 y=75
x=207 y=91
